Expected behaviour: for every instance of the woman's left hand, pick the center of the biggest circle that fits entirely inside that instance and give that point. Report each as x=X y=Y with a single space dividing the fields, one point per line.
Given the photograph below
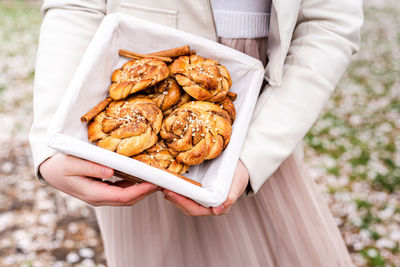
x=191 y=208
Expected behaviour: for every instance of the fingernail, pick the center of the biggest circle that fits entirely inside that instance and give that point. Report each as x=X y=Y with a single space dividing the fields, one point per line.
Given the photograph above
x=167 y=192
x=166 y=197
x=107 y=172
x=218 y=210
x=153 y=185
x=170 y=195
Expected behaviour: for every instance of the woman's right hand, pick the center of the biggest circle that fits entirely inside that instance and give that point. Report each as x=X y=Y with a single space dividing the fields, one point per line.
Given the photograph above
x=82 y=179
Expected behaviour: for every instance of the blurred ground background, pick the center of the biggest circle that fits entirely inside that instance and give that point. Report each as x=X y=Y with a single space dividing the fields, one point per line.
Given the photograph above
x=353 y=152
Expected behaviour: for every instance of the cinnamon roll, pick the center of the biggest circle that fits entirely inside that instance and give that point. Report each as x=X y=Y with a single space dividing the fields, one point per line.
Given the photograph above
x=203 y=79
x=136 y=75
x=127 y=127
x=160 y=156
x=197 y=131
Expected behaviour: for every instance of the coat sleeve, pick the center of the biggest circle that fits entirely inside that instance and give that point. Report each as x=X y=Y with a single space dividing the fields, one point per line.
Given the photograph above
x=325 y=37
x=67 y=28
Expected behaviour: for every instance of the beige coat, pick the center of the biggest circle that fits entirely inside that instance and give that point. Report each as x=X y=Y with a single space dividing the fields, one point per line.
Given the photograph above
x=309 y=47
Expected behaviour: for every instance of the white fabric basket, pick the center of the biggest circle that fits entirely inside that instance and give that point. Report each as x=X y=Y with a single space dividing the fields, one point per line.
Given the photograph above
x=90 y=83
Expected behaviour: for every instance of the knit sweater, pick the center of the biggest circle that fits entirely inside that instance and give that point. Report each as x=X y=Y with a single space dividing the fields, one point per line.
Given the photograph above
x=241 y=18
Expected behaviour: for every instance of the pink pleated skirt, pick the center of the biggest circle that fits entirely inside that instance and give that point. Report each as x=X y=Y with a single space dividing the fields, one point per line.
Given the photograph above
x=287 y=223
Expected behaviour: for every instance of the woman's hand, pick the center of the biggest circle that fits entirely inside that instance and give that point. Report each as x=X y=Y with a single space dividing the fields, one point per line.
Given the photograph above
x=189 y=207
x=77 y=177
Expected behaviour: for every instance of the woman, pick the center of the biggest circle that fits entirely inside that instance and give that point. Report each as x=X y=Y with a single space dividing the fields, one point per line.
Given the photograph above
x=286 y=222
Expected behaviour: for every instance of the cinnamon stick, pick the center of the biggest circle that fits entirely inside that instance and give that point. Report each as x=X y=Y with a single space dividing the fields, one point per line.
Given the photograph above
x=96 y=110
x=231 y=95
x=182 y=177
x=123 y=54
x=127 y=177
x=174 y=52
x=134 y=179
x=134 y=55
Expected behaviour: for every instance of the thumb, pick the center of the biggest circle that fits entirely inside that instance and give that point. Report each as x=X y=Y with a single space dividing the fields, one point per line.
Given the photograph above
x=81 y=167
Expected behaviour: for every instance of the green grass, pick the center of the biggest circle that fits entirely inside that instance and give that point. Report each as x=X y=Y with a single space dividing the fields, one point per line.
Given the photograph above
x=19 y=30
x=360 y=131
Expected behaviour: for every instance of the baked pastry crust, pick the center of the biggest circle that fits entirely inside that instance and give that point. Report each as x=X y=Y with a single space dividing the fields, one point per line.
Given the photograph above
x=165 y=94
x=197 y=131
x=203 y=79
x=161 y=157
x=136 y=75
x=227 y=105
x=127 y=127
x=185 y=98
x=190 y=132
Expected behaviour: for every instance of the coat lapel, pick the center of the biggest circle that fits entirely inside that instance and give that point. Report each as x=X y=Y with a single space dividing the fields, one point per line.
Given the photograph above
x=284 y=14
